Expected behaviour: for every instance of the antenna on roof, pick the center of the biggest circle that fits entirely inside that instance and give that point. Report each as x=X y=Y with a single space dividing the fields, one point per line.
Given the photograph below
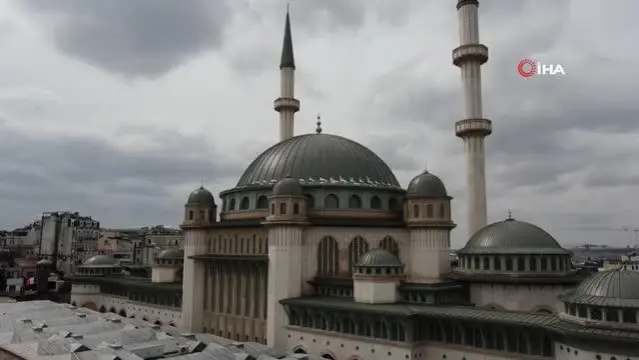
x=319 y=124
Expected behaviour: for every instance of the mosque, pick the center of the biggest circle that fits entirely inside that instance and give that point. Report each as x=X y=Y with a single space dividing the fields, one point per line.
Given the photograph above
x=318 y=249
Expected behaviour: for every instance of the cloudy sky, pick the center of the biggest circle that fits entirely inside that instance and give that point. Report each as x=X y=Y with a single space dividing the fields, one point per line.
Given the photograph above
x=118 y=109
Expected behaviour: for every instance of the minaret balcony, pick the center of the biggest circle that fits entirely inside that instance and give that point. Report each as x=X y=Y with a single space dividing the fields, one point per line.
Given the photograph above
x=284 y=103
x=470 y=52
x=473 y=128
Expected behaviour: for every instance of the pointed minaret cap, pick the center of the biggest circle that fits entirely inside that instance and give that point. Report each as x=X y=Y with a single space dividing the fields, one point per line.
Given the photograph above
x=288 y=60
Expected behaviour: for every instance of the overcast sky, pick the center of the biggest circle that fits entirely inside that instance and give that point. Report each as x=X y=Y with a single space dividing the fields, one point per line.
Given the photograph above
x=118 y=109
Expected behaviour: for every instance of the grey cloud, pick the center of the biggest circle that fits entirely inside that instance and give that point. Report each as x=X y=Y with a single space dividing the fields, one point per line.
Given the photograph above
x=83 y=173
x=136 y=38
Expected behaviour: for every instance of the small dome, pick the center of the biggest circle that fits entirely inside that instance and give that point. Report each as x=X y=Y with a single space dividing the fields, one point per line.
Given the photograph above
x=379 y=258
x=201 y=196
x=172 y=253
x=512 y=237
x=45 y=262
x=100 y=260
x=288 y=186
x=610 y=287
x=427 y=185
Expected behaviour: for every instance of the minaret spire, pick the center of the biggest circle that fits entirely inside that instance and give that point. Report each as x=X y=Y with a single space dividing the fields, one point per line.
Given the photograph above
x=287 y=105
x=469 y=57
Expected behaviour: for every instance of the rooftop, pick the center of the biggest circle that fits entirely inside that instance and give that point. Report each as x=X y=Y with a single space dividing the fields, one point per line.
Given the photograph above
x=46 y=330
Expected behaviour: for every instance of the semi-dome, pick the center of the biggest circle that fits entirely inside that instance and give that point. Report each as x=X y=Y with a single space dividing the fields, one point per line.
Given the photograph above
x=288 y=186
x=427 y=185
x=618 y=287
x=379 y=258
x=100 y=260
x=172 y=253
x=512 y=237
x=319 y=159
x=201 y=196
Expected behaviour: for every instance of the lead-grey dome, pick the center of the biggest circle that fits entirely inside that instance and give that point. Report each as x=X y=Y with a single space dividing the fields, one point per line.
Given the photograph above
x=201 y=196
x=319 y=159
x=427 y=185
x=616 y=287
x=171 y=254
x=379 y=258
x=288 y=186
x=512 y=237
x=100 y=260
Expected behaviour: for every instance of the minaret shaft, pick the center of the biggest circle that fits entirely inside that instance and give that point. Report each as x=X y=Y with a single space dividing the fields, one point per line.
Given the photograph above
x=287 y=105
x=469 y=57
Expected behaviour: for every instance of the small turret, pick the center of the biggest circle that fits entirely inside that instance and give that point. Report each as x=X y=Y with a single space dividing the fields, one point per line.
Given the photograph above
x=376 y=277
x=287 y=203
x=200 y=208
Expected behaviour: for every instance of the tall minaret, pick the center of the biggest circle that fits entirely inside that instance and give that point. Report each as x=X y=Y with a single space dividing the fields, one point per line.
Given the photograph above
x=469 y=57
x=287 y=105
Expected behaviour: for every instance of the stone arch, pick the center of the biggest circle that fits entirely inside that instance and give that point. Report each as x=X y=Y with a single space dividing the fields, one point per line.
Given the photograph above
x=172 y=324
x=90 y=305
x=262 y=202
x=122 y=313
x=331 y=202
x=358 y=247
x=300 y=349
x=157 y=322
x=327 y=354
x=232 y=205
x=245 y=203
x=543 y=309
x=102 y=309
x=355 y=202
x=113 y=310
x=376 y=203
x=327 y=257
x=389 y=244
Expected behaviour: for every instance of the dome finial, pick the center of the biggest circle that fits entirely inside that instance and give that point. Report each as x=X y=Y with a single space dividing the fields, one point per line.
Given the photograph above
x=319 y=124
x=510 y=214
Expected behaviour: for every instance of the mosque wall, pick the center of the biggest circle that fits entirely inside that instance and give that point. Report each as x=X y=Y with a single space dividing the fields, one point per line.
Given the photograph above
x=533 y=298
x=567 y=352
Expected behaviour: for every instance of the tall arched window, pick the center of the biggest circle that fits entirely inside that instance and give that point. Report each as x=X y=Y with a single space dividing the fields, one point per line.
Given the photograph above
x=232 y=205
x=393 y=205
x=430 y=212
x=331 y=202
x=356 y=249
x=376 y=203
x=416 y=211
x=310 y=201
x=244 y=205
x=327 y=257
x=389 y=244
x=283 y=209
x=355 y=202
x=262 y=202
x=296 y=209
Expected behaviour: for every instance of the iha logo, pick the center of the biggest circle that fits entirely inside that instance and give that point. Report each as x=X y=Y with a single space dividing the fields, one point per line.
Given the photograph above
x=528 y=67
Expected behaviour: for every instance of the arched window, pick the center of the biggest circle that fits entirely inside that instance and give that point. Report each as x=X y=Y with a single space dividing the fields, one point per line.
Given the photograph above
x=296 y=208
x=376 y=203
x=310 y=201
x=299 y=351
x=211 y=216
x=327 y=257
x=190 y=214
x=331 y=202
x=389 y=244
x=273 y=209
x=244 y=205
x=355 y=202
x=356 y=249
x=429 y=211
x=283 y=209
x=442 y=210
x=122 y=313
x=328 y=356
x=393 y=205
x=158 y=322
x=232 y=205
x=416 y=211
x=262 y=202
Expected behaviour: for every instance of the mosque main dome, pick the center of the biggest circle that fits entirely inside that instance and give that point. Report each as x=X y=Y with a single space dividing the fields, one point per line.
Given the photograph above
x=319 y=159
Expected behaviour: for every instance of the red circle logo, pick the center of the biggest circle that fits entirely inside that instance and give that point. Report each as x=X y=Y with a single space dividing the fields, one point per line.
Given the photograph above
x=527 y=68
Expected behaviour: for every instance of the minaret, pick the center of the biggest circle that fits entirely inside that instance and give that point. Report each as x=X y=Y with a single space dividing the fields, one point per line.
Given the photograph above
x=469 y=57
x=287 y=105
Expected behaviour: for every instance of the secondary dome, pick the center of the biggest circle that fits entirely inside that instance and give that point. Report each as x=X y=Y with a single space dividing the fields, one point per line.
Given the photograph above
x=172 y=253
x=288 y=186
x=379 y=257
x=201 y=196
x=512 y=237
x=100 y=260
x=427 y=185
x=610 y=286
x=319 y=159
